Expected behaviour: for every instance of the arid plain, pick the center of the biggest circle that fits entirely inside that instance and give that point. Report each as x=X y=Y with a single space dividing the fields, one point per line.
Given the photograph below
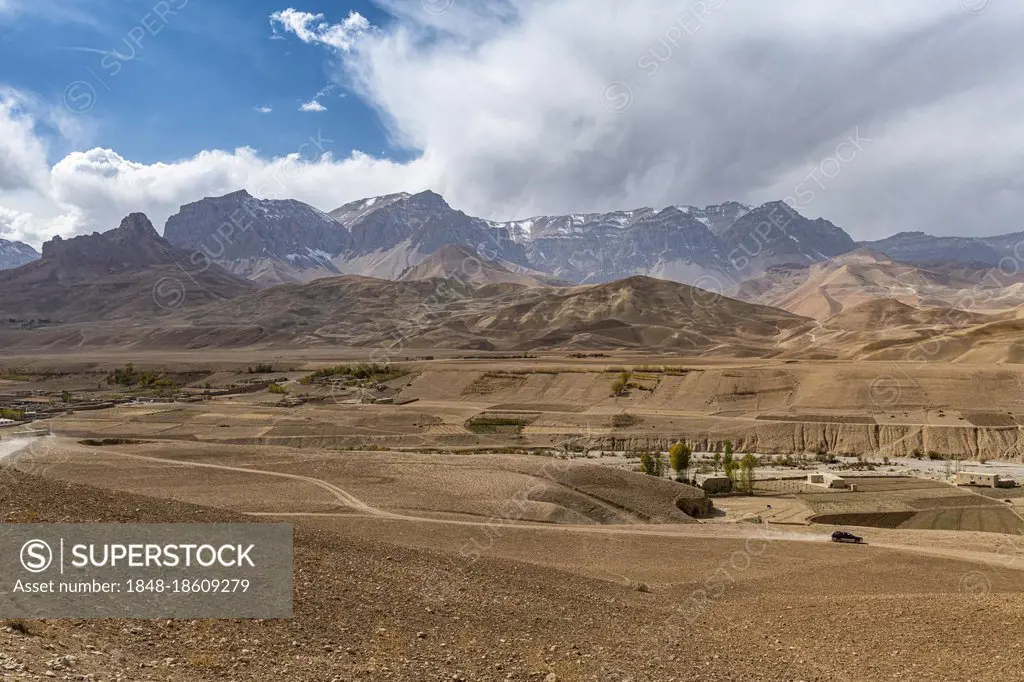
x=482 y=518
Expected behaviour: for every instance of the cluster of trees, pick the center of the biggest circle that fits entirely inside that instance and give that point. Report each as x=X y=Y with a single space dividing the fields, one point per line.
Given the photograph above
x=128 y=376
x=366 y=371
x=652 y=464
x=739 y=470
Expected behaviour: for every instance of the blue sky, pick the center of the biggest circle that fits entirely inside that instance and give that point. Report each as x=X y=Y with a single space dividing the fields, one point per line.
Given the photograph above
x=884 y=117
x=191 y=82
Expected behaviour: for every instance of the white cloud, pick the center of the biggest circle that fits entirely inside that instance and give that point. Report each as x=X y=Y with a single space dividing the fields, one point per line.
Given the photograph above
x=108 y=187
x=315 y=29
x=263 y=110
x=568 y=105
x=23 y=163
x=14 y=223
x=26 y=227
x=93 y=190
x=312 y=106
x=519 y=107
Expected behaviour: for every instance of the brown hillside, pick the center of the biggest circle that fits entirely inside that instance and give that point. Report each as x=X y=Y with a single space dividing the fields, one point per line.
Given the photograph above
x=457 y=261
x=127 y=272
x=636 y=313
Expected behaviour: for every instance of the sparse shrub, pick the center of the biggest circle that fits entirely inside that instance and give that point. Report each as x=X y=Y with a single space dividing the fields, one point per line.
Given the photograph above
x=489 y=424
x=103 y=442
x=917 y=453
x=624 y=420
x=277 y=388
x=825 y=457
x=934 y=456
x=620 y=385
x=22 y=627
x=261 y=369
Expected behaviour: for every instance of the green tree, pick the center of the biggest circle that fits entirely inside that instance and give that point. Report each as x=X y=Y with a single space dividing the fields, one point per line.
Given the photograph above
x=652 y=464
x=679 y=458
x=729 y=466
x=747 y=466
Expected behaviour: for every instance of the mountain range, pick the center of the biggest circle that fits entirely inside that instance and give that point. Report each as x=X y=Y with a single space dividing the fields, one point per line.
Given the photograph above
x=919 y=248
x=15 y=254
x=131 y=288
x=236 y=271
x=721 y=246
x=272 y=242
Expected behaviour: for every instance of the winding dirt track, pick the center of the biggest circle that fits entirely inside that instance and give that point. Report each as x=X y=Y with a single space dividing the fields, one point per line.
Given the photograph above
x=344 y=498
x=733 y=531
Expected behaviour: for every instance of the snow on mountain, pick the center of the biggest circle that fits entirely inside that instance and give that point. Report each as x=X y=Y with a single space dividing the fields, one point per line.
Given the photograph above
x=385 y=236
x=268 y=241
x=15 y=254
x=351 y=212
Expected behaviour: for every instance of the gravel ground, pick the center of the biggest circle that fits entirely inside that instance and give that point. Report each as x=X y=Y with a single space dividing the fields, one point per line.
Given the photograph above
x=374 y=610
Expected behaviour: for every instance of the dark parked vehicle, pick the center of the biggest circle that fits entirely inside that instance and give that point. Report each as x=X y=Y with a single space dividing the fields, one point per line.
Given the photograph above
x=843 y=536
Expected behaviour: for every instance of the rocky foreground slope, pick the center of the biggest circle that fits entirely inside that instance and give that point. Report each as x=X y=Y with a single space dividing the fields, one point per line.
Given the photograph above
x=373 y=609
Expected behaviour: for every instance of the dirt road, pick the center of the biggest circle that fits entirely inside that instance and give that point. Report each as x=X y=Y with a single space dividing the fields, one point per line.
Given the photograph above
x=739 y=531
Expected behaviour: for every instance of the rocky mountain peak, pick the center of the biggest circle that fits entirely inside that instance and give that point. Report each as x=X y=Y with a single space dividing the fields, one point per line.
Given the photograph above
x=428 y=199
x=15 y=254
x=238 y=195
x=384 y=236
x=134 y=243
x=134 y=227
x=267 y=240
